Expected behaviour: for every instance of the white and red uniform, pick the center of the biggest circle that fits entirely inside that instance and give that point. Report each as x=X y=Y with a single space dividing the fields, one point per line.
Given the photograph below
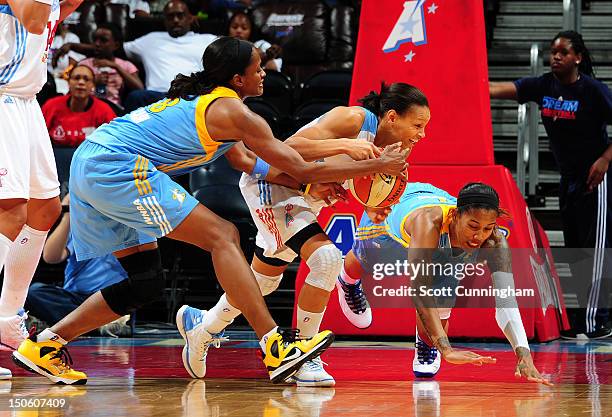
x=27 y=166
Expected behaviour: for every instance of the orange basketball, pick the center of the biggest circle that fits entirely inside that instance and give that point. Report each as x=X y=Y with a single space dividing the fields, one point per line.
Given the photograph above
x=382 y=191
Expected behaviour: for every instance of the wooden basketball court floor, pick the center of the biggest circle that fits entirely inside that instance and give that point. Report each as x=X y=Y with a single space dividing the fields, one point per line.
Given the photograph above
x=145 y=377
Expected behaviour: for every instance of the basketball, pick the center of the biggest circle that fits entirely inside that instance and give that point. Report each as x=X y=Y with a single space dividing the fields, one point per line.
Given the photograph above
x=381 y=191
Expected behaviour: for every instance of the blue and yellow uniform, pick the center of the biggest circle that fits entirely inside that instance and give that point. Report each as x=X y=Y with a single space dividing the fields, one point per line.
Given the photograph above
x=121 y=191
x=388 y=242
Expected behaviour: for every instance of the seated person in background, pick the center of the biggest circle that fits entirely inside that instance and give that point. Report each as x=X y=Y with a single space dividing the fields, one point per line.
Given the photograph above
x=58 y=62
x=165 y=54
x=137 y=8
x=50 y=303
x=72 y=117
x=242 y=26
x=112 y=74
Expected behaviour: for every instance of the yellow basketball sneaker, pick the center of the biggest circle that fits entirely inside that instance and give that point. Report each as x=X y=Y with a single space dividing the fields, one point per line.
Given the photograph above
x=50 y=359
x=285 y=354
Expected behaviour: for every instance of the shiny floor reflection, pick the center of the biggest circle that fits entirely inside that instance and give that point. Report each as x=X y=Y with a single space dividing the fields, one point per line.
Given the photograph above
x=228 y=397
x=144 y=377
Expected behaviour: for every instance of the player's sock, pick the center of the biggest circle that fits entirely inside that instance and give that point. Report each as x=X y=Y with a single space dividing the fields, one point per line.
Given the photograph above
x=21 y=264
x=308 y=323
x=344 y=277
x=220 y=316
x=264 y=339
x=5 y=247
x=47 y=335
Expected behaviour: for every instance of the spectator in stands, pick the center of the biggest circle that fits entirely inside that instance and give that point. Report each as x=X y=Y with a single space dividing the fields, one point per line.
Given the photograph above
x=58 y=62
x=242 y=26
x=575 y=110
x=137 y=8
x=113 y=74
x=50 y=303
x=72 y=117
x=166 y=54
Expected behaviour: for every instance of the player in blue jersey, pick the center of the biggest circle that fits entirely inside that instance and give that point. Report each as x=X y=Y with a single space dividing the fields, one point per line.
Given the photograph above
x=287 y=221
x=438 y=228
x=575 y=109
x=123 y=199
x=29 y=189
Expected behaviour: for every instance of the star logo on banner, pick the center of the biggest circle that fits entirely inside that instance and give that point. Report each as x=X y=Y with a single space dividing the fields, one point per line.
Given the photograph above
x=432 y=9
x=409 y=56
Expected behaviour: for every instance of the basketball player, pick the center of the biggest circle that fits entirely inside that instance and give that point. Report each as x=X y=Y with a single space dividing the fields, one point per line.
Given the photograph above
x=427 y=219
x=122 y=200
x=287 y=221
x=29 y=189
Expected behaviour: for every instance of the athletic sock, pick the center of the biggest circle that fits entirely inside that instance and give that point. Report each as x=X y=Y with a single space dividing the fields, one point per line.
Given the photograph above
x=308 y=323
x=21 y=264
x=220 y=316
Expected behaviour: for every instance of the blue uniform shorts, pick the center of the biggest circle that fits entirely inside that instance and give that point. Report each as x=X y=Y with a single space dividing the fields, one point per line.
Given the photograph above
x=119 y=200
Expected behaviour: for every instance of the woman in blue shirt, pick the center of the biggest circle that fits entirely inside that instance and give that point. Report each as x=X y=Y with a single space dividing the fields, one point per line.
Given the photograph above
x=575 y=109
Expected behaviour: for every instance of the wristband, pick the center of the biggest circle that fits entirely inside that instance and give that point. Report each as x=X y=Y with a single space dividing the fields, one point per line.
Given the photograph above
x=261 y=169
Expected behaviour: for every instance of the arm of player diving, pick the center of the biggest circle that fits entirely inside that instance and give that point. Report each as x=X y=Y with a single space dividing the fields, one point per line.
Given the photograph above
x=424 y=229
x=32 y=14
x=497 y=253
x=229 y=119
x=332 y=134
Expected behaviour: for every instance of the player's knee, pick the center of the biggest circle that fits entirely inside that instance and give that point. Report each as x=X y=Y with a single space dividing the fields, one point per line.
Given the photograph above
x=225 y=233
x=325 y=265
x=145 y=283
x=14 y=217
x=267 y=284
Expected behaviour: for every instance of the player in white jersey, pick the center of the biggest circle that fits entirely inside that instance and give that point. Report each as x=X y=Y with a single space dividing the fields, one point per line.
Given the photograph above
x=29 y=189
x=286 y=220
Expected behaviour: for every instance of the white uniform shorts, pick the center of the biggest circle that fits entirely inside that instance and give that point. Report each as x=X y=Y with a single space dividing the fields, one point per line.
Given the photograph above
x=279 y=213
x=27 y=165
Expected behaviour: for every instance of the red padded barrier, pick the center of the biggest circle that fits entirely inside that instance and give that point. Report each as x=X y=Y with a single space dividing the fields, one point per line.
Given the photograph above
x=449 y=65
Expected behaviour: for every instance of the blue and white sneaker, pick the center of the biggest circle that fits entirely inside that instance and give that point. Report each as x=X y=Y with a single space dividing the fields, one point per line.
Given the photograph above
x=197 y=340
x=427 y=359
x=354 y=304
x=312 y=374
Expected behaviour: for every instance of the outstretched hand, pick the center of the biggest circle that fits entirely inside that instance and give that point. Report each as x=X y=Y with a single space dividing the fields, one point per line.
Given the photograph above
x=525 y=368
x=461 y=357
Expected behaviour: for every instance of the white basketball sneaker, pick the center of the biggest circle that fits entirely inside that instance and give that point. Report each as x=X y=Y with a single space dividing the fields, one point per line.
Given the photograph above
x=312 y=374
x=427 y=359
x=197 y=340
x=13 y=330
x=354 y=304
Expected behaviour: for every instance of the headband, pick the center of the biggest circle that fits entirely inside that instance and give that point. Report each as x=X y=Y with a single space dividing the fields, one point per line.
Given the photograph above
x=470 y=198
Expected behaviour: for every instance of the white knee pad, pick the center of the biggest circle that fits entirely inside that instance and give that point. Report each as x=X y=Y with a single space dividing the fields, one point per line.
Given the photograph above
x=325 y=265
x=267 y=284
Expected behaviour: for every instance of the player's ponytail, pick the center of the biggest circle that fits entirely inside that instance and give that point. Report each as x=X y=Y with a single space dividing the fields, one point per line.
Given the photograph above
x=575 y=38
x=397 y=96
x=222 y=59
